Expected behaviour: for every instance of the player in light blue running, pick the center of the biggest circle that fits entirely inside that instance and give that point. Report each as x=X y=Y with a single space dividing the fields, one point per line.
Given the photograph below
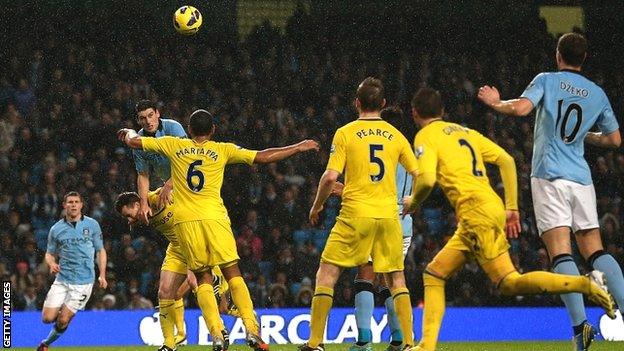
x=147 y=163
x=364 y=292
x=74 y=240
x=567 y=106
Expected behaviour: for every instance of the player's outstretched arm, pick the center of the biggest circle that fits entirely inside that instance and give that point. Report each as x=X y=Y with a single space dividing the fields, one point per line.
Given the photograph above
x=326 y=184
x=280 y=153
x=611 y=140
x=130 y=137
x=514 y=107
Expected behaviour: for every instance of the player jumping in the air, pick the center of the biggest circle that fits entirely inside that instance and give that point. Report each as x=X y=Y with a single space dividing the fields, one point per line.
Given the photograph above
x=567 y=106
x=75 y=240
x=201 y=220
x=149 y=163
x=367 y=151
x=454 y=157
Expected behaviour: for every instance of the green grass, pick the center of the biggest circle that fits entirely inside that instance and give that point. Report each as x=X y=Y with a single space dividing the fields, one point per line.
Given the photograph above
x=449 y=346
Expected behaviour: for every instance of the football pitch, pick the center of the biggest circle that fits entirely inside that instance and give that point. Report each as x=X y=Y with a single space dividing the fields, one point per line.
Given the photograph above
x=446 y=346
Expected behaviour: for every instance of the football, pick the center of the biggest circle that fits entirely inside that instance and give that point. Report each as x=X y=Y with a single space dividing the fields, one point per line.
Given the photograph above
x=187 y=20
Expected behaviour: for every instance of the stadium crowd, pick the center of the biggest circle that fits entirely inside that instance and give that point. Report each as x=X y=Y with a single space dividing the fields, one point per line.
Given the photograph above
x=62 y=102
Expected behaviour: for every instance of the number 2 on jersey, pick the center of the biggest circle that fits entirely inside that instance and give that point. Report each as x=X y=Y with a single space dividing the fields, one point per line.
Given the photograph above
x=378 y=161
x=192 y=172
x=476 y=172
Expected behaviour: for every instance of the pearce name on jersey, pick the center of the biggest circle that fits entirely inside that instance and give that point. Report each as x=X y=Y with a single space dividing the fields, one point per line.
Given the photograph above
x=374 y=132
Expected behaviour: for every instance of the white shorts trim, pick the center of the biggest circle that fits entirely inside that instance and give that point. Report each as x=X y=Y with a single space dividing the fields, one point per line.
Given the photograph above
x=563 y=203
x=74 y=296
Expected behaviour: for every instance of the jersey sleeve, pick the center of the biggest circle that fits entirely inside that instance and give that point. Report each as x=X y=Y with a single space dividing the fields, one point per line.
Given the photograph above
x=140 y=163
x=237 y=154
x=407 y=158
x=426 y=154
x=163 y=145
x=535 y=90
x=490 y=151
x=96 y=236
x=607 y=123
x=338 y=153
x=51 y=242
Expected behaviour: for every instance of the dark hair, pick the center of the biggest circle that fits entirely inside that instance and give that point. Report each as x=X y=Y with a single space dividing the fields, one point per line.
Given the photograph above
x=144 y=105
x=371 y=94
x=201 y=123
x=428 y=103
x=573 y=48
x=392 y=114
x=125 y=199
x=72 y=193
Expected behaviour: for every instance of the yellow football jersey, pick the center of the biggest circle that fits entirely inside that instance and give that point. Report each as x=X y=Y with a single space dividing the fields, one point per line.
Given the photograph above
x=197 y=173
x=456 y=155
x=162 y=218
x=368 y=152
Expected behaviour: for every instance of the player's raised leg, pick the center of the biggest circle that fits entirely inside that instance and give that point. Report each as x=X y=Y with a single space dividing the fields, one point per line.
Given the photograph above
x=538 y=282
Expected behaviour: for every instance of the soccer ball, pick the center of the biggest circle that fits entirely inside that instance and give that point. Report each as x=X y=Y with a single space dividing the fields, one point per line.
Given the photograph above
x=187 y=20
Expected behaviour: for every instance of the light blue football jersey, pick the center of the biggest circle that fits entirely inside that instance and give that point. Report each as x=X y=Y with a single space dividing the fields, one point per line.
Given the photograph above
x=156 y=163
x=567 y=106
x=404 y=188
x=76 y=246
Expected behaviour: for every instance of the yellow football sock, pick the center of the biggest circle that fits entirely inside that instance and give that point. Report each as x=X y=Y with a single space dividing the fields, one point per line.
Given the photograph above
x=167 y=321
x=242 y=299
x=321 y=304
x=208 y=305
x=543 y=282
x=403 y=308
x=179 y=320
x=433 y=312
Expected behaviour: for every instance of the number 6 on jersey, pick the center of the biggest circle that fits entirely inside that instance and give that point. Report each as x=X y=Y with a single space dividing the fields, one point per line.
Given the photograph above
x=192 y=172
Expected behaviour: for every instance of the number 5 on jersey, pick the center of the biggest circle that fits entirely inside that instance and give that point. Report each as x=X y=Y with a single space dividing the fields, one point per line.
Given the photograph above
x=195 y=173
x=375 y=159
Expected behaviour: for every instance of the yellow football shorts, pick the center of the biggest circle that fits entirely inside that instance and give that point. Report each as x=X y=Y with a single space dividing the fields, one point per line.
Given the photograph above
x=174 y=260
x=207 y=243
x=353 y=241
x=481 y=232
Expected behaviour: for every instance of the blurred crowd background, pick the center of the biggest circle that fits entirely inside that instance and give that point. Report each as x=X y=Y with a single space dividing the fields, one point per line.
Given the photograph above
x=65 y=91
